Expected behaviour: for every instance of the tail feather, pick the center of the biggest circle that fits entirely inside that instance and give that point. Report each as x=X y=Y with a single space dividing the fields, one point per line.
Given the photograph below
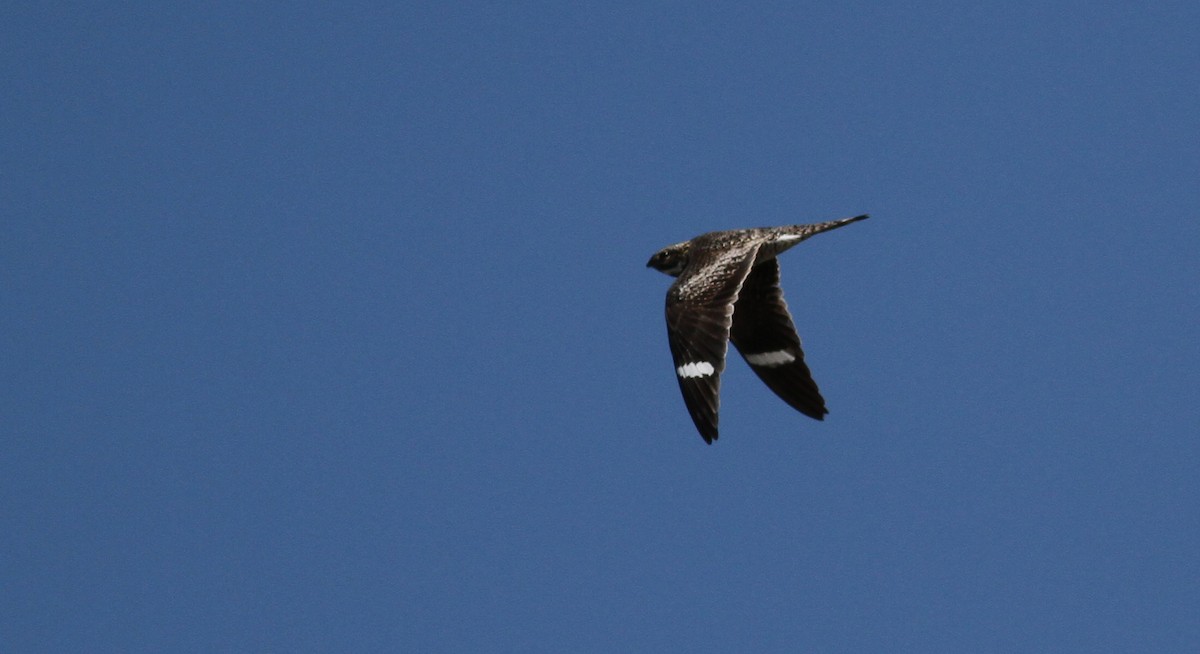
x=806 y=231
x=794 y=234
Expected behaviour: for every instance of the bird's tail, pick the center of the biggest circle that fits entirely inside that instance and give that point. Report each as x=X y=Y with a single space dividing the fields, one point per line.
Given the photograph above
x=789 y=237
x=805 y=231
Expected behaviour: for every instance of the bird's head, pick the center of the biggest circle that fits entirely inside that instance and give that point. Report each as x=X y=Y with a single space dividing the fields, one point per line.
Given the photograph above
x=671 y=259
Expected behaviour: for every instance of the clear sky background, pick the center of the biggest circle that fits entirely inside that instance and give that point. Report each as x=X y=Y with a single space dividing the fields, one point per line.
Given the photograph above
x=328 y=327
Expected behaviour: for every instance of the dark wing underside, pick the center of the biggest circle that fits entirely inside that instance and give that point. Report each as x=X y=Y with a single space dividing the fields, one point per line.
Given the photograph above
x=699 y=315
x=763 y=333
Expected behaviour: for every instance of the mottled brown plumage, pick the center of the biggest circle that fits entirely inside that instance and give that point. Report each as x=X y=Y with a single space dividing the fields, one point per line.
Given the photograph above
x=727 y=288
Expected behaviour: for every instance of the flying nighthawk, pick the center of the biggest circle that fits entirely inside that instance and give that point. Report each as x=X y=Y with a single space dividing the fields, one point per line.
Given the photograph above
x=727 y=289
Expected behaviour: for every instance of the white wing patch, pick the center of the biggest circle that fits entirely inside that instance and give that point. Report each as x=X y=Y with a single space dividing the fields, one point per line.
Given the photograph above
x=695 y=369
x=771 y=359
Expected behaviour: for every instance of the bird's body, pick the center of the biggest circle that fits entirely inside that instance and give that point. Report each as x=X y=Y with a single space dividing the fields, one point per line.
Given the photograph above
x=727 y=289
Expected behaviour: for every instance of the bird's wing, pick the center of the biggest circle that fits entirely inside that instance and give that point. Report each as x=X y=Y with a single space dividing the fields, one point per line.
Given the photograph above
x=763 y=332
x=699 y=314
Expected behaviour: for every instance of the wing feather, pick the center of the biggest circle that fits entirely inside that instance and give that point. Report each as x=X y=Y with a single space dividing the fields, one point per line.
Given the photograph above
x=700 y=313
x=764 y=334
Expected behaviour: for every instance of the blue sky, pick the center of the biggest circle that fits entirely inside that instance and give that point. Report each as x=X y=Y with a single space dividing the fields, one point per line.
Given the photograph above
x=327 y=327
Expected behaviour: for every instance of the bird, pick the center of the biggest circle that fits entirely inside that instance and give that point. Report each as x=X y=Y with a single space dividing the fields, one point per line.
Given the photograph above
x=726 y=289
